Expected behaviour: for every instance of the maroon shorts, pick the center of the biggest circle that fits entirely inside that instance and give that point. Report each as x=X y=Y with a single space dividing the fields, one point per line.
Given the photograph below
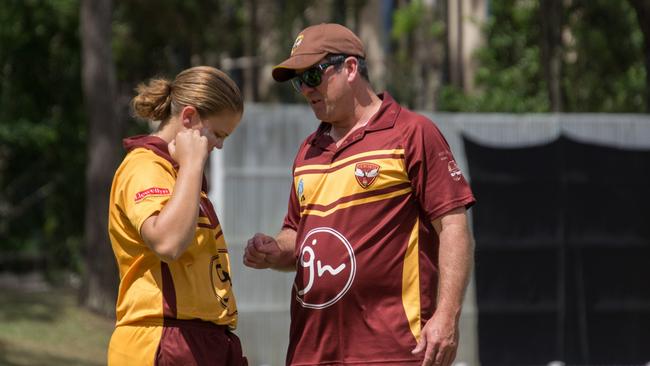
x=198 y=343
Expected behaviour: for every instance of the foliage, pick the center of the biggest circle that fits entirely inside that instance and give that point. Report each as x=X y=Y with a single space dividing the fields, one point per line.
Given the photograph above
x=289 y=20
x=603 y=67
x=41 y=130
x=510 y=76
x=407 y=18
x=406 y=21
x=181 y=34
x=417 y=36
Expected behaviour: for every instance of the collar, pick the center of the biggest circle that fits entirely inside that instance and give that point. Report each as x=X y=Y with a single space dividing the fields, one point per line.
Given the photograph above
x=158 y=146
x=384 y=118
x=386 y=115
x=154 y=143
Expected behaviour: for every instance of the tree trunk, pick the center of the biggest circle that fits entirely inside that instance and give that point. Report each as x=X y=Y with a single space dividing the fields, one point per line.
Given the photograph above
x=642 y=8
x=100 y=278
x=550 y=13
x=250 y=69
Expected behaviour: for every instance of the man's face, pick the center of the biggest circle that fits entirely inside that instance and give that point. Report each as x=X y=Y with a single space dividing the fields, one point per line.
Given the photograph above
x=325 y=98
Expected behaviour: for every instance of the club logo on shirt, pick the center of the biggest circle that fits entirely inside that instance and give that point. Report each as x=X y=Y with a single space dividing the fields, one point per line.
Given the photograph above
x=454 y=171
x=326 y=268
x=153 y=191
x=366 y=173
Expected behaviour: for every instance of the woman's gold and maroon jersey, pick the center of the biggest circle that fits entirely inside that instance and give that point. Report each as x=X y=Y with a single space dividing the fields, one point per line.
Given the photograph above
x=152 y=293
x=366 y=250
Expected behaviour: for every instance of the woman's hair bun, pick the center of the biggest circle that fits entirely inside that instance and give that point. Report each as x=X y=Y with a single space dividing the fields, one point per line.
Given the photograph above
x=154 y=100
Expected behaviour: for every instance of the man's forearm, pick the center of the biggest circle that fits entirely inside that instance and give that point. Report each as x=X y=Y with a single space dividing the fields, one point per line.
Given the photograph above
x=455 y=261
x=286 y=240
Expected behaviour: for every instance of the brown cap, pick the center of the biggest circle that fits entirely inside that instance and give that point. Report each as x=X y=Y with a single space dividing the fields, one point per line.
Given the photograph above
x=316 y=42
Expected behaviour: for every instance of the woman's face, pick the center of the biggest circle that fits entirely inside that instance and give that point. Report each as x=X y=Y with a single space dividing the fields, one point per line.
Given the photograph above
x=217 y=127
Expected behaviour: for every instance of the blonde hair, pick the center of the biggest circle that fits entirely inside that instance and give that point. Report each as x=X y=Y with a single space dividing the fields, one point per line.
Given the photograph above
x=206 y=88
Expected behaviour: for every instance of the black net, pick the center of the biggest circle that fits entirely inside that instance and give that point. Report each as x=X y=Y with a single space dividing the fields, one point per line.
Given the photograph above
x=563 y=253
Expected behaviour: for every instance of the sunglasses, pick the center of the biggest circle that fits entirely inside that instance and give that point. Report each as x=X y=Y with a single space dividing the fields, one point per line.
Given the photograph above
x=312 y=77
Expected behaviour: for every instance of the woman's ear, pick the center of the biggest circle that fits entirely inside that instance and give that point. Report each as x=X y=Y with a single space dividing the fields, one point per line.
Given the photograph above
x=187 y=116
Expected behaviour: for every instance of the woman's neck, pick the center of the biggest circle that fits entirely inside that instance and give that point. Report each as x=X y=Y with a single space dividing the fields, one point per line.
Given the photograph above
x=167 y=130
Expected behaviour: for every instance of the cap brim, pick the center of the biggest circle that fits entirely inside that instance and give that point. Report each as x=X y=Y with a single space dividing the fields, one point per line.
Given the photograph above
x=287 y=69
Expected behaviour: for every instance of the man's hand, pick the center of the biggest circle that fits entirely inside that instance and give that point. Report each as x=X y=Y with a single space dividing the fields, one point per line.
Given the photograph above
x=262 y=251
x=439 y=341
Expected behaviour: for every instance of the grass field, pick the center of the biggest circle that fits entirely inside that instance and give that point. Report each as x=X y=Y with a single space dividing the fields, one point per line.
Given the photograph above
x=41 y=325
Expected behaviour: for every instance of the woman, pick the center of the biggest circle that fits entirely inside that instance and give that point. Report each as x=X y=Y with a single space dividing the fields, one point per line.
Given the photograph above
x=175 y=304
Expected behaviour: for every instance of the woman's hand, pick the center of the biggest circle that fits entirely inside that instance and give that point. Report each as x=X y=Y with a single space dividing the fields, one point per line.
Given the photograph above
x=189 y=147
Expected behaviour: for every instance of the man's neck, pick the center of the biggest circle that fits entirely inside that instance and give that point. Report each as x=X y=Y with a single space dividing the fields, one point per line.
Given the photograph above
x=365 y=107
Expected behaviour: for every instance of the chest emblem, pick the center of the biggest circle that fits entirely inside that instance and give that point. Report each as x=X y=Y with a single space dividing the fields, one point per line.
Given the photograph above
x=366 y=173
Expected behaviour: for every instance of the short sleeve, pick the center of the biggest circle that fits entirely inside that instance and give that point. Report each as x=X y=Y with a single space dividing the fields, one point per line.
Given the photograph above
x=292 y=217
x=436 y=179
x=146 y=184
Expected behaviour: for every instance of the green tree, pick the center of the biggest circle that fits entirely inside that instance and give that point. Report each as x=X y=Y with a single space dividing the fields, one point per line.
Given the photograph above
x=42 y=133
x=601 y=53
x=510 y=76
x=642 y=8
x=604 y=68
x=417 y=52
x=181 y=34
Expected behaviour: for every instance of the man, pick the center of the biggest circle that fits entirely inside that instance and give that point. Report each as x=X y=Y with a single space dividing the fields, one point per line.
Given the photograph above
x=376 y=228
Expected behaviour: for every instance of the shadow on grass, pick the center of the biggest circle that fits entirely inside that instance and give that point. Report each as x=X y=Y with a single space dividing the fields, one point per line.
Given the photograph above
x=11 y=356
x=42 y=325
x=42 y=306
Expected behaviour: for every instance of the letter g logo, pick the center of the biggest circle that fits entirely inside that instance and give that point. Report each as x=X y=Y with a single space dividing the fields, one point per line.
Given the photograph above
x=326 y=268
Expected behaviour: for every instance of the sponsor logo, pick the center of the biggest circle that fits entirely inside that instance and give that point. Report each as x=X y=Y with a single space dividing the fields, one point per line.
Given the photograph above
x=366 y=174
x=153 y=191
x=297 y=43
x=454 y=171
x=326 y=268
x=301 y=190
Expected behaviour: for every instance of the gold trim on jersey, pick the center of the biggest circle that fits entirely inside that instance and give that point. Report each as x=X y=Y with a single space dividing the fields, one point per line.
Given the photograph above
x=411 y=283
x=319 y=191
x=346 y=160
x=320 y=213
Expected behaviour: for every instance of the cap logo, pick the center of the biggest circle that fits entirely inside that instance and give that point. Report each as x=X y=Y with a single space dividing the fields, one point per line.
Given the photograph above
x=297 y=43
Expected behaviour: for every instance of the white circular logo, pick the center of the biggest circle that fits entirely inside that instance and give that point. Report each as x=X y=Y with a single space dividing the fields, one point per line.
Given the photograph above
x=326 y=268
